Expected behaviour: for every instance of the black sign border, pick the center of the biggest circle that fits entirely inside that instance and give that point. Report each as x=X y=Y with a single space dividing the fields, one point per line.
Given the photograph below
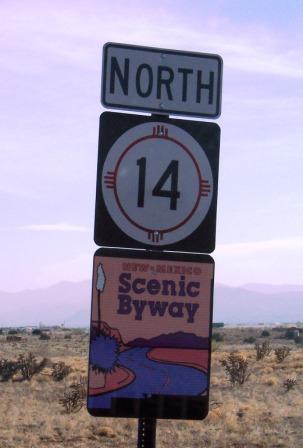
x=164 y=110
x=167 y=406
x=106 y=232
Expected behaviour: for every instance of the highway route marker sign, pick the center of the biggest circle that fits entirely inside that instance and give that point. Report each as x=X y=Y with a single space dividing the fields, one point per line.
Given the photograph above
x=156 y=183
x=158 y=80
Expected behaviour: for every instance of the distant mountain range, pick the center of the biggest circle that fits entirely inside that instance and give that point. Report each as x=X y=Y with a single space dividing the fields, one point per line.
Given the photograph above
x=63 y=303
x=69 y=303
x=171 y=340
x=256 y=303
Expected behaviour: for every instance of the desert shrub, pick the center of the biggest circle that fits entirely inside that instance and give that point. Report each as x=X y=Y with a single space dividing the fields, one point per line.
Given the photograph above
x=218 y=337
x=28 y=366
x=282 y=352
x=44 y=336
x=73 y=399
x=262 y=350
x=13 y=331
x=1 y=331
x=7 y=369
x=36 y=332
x=67 y=336
x=215 y=346
x=250 y=340
x=13 y=338
x=236 y=367
x=60 y=370
x=80 y=386
x=265 y=334
x=218 y=325
x=289 y=384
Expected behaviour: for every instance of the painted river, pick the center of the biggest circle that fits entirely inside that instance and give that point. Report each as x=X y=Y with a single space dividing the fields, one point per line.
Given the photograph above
x=153 y=377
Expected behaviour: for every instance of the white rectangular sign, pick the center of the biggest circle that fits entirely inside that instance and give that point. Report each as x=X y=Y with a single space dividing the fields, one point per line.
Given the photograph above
x=161 y=81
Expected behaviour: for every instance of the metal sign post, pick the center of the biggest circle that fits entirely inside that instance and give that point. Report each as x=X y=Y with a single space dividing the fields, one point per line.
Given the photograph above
x=147 y=433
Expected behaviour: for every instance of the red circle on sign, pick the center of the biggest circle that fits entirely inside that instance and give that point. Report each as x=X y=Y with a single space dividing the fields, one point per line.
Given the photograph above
x=116 y=169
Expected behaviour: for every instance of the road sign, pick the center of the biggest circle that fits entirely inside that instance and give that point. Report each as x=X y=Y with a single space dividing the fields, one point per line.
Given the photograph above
x=150 y=334
x=157 y=80
x=156 y=183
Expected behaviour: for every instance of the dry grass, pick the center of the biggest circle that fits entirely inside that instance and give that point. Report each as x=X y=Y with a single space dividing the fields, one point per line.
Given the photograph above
x=260 y=413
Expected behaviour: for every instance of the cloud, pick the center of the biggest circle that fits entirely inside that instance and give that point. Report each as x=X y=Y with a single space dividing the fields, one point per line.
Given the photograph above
x=267 y=61
x=60 y=227
x=260 y=246
x=68 y=37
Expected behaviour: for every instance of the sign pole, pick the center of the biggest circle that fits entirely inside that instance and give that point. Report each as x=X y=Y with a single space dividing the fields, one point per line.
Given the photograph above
x=147 y=433
x=147 y=426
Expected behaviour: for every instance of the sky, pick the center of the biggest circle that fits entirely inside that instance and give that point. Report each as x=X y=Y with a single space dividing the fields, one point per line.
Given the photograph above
x=50 y=73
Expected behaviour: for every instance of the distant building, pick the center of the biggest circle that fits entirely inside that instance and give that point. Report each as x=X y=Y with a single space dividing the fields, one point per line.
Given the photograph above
x=292 y=333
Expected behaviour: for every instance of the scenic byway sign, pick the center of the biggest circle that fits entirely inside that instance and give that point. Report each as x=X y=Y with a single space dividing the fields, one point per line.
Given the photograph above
x=156 y=183
x=150 y=334
x=157 y=80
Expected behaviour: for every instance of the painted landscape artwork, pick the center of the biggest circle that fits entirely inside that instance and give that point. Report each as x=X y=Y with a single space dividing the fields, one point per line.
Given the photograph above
x=150 y=336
